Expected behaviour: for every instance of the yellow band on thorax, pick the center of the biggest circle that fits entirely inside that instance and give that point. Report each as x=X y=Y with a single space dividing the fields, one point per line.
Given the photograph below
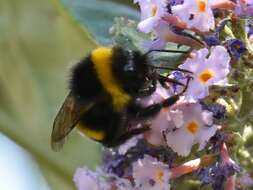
x=102 y=60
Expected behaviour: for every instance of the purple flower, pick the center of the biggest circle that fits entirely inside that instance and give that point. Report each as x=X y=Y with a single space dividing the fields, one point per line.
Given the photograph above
x=161 y=32
x=245 y=181
x=86 y=179
x=129 y=144
x=213 y=39
x=117 y=166
x=195 y=127
x=173 y=3
x=216 y=141
x=196 y=14
x=122 y=184
x=218 y=110
x=150 y=174
x=165 y=32
x=179 y=76
x=244 y=8
x=207 y=71
x=176 y=2
x=151 y=12
x=217 y=174
x=235 y=47
x=159 y=122
x=157 y=43
x=249 y=30
x=120 y=165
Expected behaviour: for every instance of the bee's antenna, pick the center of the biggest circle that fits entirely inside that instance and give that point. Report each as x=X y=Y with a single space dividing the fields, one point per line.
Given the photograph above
x=167 y=51
x=171 y=68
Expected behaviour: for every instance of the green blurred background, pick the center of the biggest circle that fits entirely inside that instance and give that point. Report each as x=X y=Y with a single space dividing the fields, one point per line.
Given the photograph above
x=37 y=46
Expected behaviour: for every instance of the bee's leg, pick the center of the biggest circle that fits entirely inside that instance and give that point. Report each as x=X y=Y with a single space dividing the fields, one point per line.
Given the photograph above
x=148 y=91
x=131 y=133
x=164 y=80
x=155 y=108
x=152 y=110
x=164 y=136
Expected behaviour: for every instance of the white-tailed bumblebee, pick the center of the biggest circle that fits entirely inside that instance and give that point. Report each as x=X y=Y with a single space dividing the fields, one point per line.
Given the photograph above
x=104 y=87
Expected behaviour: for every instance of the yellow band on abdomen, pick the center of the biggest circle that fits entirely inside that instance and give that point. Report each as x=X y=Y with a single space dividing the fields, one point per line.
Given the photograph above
x=93 y=134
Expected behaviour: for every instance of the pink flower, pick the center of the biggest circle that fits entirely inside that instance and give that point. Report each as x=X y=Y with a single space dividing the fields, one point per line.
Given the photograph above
x=150 y=174
x=207 y=70
x=86 y=179
x=151 y=12
x=244 y=8
x=195 y=127
x=196 y=14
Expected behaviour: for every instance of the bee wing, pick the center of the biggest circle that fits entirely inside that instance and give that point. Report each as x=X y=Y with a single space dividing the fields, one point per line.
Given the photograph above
x=66 y=119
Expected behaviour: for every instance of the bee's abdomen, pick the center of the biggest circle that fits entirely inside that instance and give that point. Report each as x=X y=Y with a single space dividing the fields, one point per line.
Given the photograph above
x=102 y=121
x=98 y=135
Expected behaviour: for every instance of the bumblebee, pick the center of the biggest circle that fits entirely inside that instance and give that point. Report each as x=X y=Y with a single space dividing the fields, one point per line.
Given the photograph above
x=104 y=87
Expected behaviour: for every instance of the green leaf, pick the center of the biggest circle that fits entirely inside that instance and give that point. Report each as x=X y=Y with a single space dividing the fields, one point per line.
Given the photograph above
x=37 y=46
x=98 y=16
x=124 y=33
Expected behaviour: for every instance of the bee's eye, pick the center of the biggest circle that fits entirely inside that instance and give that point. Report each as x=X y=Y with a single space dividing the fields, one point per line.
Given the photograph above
x=129 y=68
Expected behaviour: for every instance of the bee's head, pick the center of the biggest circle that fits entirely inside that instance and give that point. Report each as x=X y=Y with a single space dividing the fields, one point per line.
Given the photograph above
x=132 y=70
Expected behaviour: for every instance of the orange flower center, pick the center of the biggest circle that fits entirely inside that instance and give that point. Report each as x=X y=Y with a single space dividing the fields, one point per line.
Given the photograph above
x=237 y=46
x=193 y=127
x=159 y=177
x=205 y=76
x=202 y=6
x=154 y=9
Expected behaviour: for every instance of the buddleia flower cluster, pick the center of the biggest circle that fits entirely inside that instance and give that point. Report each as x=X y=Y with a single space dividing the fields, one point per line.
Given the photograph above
x=204 y=141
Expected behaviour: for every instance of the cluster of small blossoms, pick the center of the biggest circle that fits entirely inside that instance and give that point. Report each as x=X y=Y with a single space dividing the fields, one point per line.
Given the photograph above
x=191 y=138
